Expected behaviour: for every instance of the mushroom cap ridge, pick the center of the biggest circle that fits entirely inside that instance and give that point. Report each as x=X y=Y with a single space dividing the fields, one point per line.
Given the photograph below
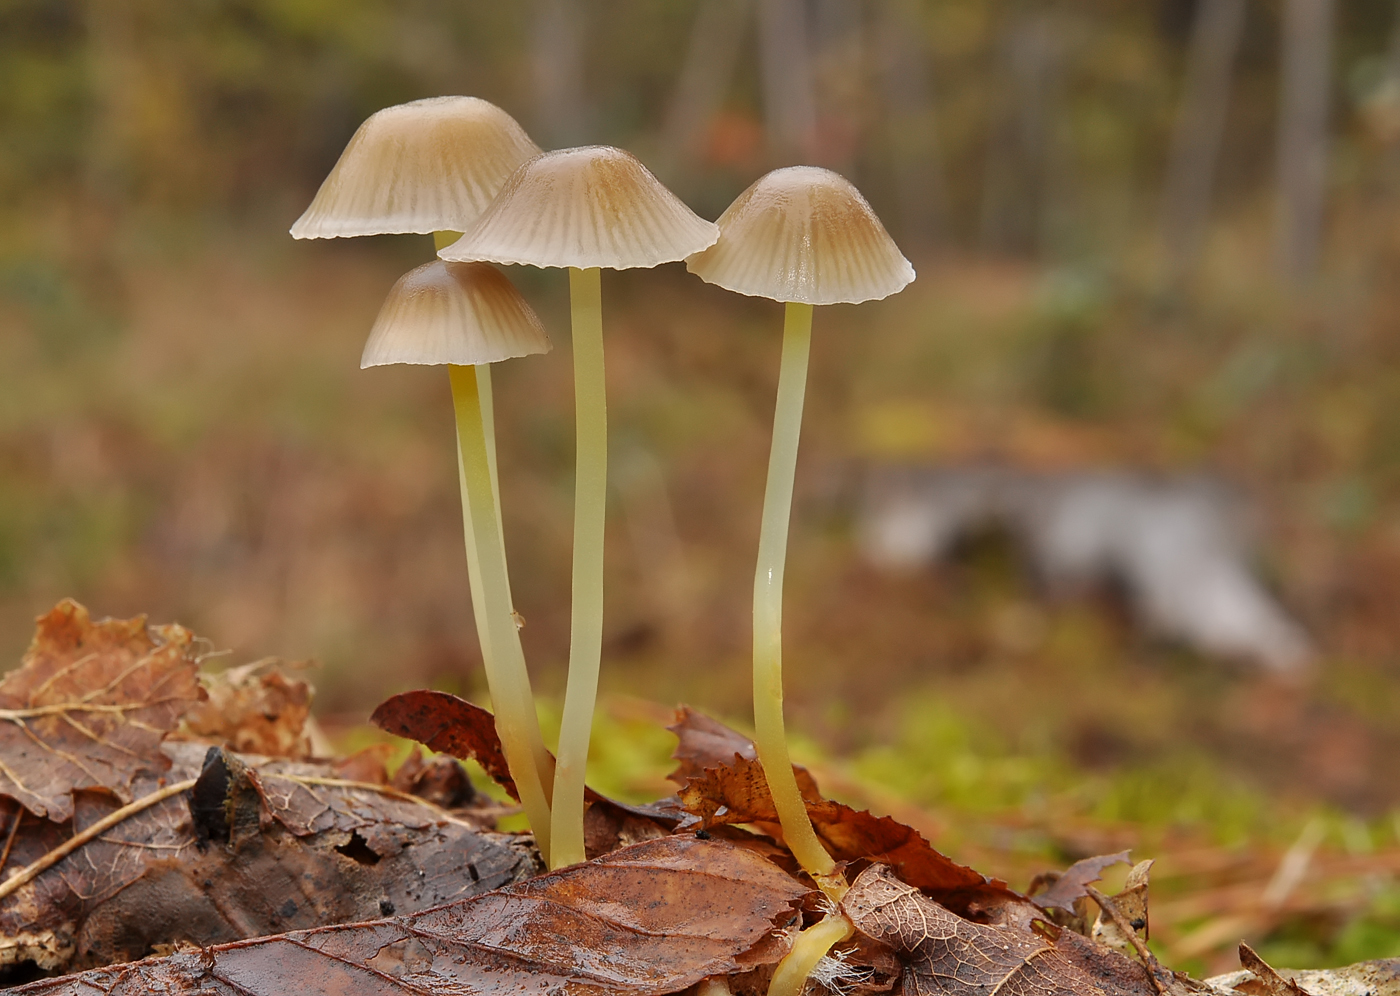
x=803 y=234
x=594 y=206
x=461 y=313
x=429 y=165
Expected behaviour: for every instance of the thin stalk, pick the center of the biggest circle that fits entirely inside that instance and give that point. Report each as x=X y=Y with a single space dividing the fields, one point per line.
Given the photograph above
x=811 y=945
x=769 y=735
x=586 y=629
x=502 y=654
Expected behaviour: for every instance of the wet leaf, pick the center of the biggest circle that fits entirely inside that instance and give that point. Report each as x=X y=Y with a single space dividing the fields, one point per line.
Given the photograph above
x=948 y=954
x=258 y=847
x=448 y=725
x=1069 y=886
x=649 y=919
x=89 y=705
x=253 y=709
x=738 y=793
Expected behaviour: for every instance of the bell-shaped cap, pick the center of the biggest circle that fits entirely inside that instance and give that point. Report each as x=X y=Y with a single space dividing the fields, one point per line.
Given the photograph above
x=429 y=165
x=462 y=313
x=594 y=206
x=803 y=234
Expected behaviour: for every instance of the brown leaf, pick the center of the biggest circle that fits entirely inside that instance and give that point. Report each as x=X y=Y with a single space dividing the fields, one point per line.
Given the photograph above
x=89 y=705
x=704 y=742
x=449 y=725
x=947 y=954
x=1131 y=903
x=250 y=851
x=253 y=709
x=738 y=793
x=442 y=780
x=650 y=919
x=1365 y=978
x=1069 y=886
x=1266 y=981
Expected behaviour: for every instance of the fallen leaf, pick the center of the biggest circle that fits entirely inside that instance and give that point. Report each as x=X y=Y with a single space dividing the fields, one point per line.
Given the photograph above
x=647 y=920
x=1069 y=885
x=738 y=793
x=89 y=705
x=703 y=742
x=1266 y=981
x=1365 y=978
x=441 y=780
x=258 y=847
x=448 y=725
x=253 y=709
x=947 y=954
x=1132 y=905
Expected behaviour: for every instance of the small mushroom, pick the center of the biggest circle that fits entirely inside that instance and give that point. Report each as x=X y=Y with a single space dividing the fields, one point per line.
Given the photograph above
x=465 y=316
x=584 y=209
x=804 y=236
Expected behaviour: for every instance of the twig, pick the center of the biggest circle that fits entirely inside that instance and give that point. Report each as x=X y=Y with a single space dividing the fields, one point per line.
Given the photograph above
x=10 y=840
x=1149 y=960
x=70 y=845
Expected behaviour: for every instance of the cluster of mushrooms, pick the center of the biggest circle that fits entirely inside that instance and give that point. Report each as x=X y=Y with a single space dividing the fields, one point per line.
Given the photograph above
x=463 y=170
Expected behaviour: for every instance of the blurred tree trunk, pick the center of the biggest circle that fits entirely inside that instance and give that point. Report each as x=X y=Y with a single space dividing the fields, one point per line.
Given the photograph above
x=1304 y=94
x=789 y=106
x=1014 y=196
x=910 y=122
x=556 y=58
x=706 y=75
x=1200 y=126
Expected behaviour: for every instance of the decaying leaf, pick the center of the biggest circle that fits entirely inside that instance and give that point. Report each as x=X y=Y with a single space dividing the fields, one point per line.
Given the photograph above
x=703 y=742
x=1069 y=886
x=1132 y=905
x=88 y=707
x=1266 y=981
x=253 y=709
x=448 y=725
x=1366 y=978
x=945 y=953
x=650 y=919
x=258 y=847
x=738 y=793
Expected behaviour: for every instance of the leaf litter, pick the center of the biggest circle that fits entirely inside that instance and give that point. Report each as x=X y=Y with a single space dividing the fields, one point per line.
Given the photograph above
x=199 y=829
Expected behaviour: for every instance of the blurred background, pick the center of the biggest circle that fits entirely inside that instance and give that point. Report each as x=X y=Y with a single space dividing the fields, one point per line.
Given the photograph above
x=1097 y=541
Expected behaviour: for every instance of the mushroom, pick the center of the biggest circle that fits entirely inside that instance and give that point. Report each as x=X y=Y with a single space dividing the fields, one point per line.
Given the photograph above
x=432 y=166
x=466 y=316
x=584 y=209
x=804 y=236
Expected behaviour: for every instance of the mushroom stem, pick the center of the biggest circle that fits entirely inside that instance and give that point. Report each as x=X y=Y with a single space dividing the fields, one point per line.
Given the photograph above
x=810 y=946
x=769 y=735
x=586 y=630
x=516 y=722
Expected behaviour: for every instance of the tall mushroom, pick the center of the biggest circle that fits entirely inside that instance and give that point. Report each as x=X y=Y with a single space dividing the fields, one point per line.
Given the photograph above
x=466 y=316
x=804 y=236
x=584 y=209
x=431 y=167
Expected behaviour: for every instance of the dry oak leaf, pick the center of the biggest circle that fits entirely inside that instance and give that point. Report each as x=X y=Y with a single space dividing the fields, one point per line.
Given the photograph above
x=89 y=706
x=737 y=792
x=947 y=954
x=254 y=709
x=650 y=919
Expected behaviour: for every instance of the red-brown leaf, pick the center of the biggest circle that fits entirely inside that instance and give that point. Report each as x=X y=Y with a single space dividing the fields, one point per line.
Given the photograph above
x=89 y=705
x=647 y=920
x=1070 y=885
x=449 y=725
x=704 y=742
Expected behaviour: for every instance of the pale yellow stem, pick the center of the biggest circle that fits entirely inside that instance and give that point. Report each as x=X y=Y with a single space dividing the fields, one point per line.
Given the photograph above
x=502 y=653
x=590 y=501
x=790 y=977
x=769 y=735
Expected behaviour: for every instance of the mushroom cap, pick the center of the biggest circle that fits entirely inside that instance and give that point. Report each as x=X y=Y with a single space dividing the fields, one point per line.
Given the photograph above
x=463 y=313
x=592 y=206
x=429 y=165
x=803 y=234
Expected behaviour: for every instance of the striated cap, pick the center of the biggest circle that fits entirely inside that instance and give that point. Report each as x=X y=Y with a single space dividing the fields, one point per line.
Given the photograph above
x=594 y=206
x=463 y=313
x=803 y=234
x=426 y=166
